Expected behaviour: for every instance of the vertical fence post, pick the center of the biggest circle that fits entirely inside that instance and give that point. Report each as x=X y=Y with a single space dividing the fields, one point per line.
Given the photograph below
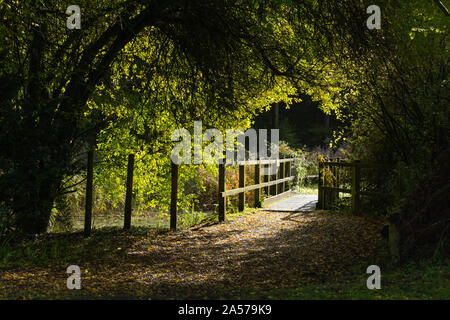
x=320 y=188
x=241 y=185
x=338 y=177
x=129 y=193
x=335 y=185
x=277 y=176
x=281 y=169
x=355 y=187
x=287 y=174
x=266 y=179
x=327 y=192
x=257 y=181
x=332 y=167
x=89 y=187
x=291 y=164
x=173 y=197
x=273 y=177
x=222 y=200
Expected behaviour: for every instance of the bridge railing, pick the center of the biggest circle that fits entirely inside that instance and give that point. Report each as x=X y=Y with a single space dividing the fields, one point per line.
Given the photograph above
x=337 y=176
x=272 y=185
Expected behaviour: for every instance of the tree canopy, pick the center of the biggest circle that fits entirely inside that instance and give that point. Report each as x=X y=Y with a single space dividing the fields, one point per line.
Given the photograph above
x=180 y=58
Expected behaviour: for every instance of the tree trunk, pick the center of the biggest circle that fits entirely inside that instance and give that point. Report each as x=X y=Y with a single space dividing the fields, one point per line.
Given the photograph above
x=38 y=173
x=276 y=116
x=33 y=203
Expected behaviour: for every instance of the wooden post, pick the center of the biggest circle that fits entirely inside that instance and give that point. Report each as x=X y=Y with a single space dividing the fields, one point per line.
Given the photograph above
x=334 y=192
x=273 y=177
x=89 y=188
x=266 y=179
x=320 y=188
x=332 y=167
x=281 y=170
x=257 y=181
x=129 y=193
x=355 y=187
x=276 y=177
x=241 y=185
x=287 y=174
x=173 y=197
x=329 y=192
x=222 y=200
x=338 y=177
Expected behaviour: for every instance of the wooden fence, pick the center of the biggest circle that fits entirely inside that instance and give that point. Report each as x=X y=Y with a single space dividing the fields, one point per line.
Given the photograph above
x=333 y=180
x=335 y=177
x=272 y=185
x=89 y=191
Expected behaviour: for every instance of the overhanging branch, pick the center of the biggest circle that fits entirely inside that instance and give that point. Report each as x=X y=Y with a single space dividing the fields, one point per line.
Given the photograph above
x=442 y=7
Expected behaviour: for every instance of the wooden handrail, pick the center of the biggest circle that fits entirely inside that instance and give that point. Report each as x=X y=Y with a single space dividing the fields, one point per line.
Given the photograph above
x=328 y=194
x=277 y=181
x=256 y=186
x=261 y=162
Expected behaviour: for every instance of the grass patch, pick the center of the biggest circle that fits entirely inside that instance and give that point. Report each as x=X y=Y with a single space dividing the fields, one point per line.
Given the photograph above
x=307 y=189
x=71 y=248
x=114 y=220
x=425 y=281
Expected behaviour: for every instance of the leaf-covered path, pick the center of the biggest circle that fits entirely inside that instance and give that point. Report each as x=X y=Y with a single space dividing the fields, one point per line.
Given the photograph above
x=258 y=251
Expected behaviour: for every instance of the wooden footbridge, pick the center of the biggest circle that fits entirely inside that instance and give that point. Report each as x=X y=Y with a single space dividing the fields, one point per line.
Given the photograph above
x=271 y=191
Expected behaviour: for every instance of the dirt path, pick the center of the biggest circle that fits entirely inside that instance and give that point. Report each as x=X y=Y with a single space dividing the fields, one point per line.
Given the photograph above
x=254 y=252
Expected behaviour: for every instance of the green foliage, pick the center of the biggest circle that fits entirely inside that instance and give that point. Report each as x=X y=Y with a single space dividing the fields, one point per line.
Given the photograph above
x=66 y=248
x=307 y=163
x=61 y=219
x=121 y=84
x=191 y=218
